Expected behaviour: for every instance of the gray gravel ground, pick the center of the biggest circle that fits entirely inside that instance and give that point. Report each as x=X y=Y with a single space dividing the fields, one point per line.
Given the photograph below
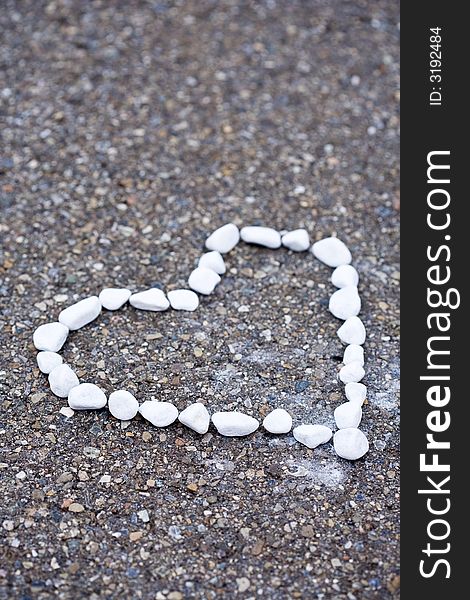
x=131 y=130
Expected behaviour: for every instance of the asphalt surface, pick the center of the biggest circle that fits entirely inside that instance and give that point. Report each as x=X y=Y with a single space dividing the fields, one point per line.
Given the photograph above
x=130 y=130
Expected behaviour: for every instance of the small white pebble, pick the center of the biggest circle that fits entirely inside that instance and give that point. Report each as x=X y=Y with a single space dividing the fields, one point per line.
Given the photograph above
x=234 y=424
x=196 y=417
x=312 y=435
x=348 y=414
x=350 y=443
x=123 y=405
x=50 y=337
x=352 y=331
x=262 y=236
x=203 y=280
x=21 y=475
x=86 y=396
x=48 y=361
x=356 y=392
x=61 y=380
x=353 y=353
x=344 y=276
x=345 y=303
x=332 y=251
x=278 y=421
x=213 y=260
x=81 y=313
x=114 y=298
x=160 y=414
x=352 y=372
x=296 y=240
x=152 y=299
x=183 y=300
x=67 y=412
x=224 y=238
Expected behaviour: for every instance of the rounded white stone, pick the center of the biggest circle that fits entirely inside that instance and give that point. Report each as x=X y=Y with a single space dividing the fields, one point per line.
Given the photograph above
x=203 y=280
x=312 y=435
x=224 y=238
x=332 y=251
x=196 y=417
x=123 y=405
x=278 y=421
x=48 y=361
x=348 y=414
x=61 y=380
x=344 y=276
x=86 y=396
x=81 y=313
x=263 y=236
x=234 y=424
x=152 y=299
x=160 y=414
x=50 y=336
x=350 y=443
x=213 y=260
x=296 y=240
x=353 y=353
x=345 y=303
x=183 y=300
x=352 y=331
x=356 y=392
x=114 y=298
x=352 y=372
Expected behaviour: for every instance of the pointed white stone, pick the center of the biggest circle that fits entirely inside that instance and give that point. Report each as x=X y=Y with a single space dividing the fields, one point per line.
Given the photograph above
x=345 y=303
x=213 y=260
x=203 y=280
x=160 y=414
x=196 y=417
x=183 y=300
x=123 y=405
x=61 y=380
x=332 y=251
x=348 y=414
x=344 y=276
x=350 y=443
x=114 y=298
x=296 y=240
x=312 y=435
x=50 y=336
x=353 y=353
x=356 y=392
x=152 y=299
x=86 y=396
x=352 y=331
x=352 y=372
x=224 y=238
x=48 y=361
x=81 y=313
x=262 y=236
x=278 y=421
x=234 y=424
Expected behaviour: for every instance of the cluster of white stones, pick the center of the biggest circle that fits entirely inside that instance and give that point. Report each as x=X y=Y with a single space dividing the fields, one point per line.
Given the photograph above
x=345 y=303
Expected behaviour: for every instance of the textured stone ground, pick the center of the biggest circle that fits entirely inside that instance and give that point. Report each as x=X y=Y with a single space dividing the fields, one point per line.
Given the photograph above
x=130 y=130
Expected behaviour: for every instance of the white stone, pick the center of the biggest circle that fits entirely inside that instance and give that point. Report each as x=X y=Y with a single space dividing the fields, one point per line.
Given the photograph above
x=114 y=298
x=123 y=405
x=203 y=280
x=332 y=251
x=234 y=424
x=348 y=414
x=350 y=443
x=152 y=299
x=263 y=236
x=356 y=392
x=50 y=336
x=213 y=260
x=296 y=240
x=61 y=380
x=86 y=396
x=81 y=313
x=352 y=372
x=183 y=300
x=353 y=353
x=160 y=414
x=352 y=331
x=312 y=435
x=67 y=412
x=196 y=417
x=344 y=276
x=48 y=361
x=223 y=239
x=345 y=303
x=278 y=421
